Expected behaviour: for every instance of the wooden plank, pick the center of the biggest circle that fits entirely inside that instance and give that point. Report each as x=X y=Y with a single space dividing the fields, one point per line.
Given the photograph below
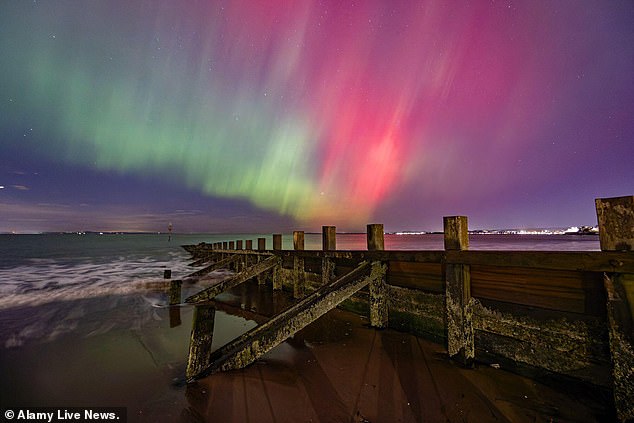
x=593 y=261
x=250 y=346
x=425 y=276
x=211 y=292
x=561 y=290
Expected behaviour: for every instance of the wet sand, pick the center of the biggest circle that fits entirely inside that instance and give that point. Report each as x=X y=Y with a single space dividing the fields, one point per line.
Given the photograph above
x=122 y=351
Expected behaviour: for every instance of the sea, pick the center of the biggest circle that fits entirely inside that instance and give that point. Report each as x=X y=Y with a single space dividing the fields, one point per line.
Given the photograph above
x=84 y=319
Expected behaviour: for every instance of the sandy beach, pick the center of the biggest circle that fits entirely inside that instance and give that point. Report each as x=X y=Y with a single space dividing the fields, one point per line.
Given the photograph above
x=125 y=352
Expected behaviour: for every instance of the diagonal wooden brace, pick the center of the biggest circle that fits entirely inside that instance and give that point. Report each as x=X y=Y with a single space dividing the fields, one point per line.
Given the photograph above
x=212 y=291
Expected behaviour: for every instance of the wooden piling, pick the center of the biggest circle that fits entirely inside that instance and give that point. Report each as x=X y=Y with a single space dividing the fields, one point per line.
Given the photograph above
x=328 y=238
x=239 y=244
x=375 y=237
x=200 y=340
x=175 y=291
x=460 y=335
x=277 y=270
x=616 y=233
x=328 y=243
x=378 y=287
x=277 y=241
x=232 y=245
x=248 y=244
x=261 y=247
x=299 y=274
x=225 y=245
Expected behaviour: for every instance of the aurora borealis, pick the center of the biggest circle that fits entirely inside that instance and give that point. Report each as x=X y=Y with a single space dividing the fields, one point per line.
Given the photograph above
x=272 y=115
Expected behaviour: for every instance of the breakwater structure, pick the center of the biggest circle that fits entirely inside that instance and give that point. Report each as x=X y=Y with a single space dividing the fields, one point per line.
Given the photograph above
x=565 y=316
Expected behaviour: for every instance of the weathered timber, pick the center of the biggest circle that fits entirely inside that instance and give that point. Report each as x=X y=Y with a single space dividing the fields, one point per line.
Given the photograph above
x=232 y=245
x=460 y=342
x=378 y=287
x=563 y=290
x=375 y=237
x=239 y=244
x=621 y=345
x=248 y=244
x=218 y=265
x=175 y=291
x=328 y=238
x=616 y=223
x=299 y=273
x=277 y=241
x=251 y=272
x=277 y=274
x=258 y=341
x=200 y=340
x=616 y=233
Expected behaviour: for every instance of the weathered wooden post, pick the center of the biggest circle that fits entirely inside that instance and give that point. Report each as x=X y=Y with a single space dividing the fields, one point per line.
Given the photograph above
x=174 y=298
x=378 y=287
x=299 y=273
x=175 y=291
x=277 y=270
x=460 y=341
x=232 y=245
x=261 y=247
x=239 y=244
x=616 y=233
x=201 y=339
x=248 y=245
x=328 y=243
x=225 y=245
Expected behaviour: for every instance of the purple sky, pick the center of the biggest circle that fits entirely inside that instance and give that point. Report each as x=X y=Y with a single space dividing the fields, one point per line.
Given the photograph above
x=267 y=116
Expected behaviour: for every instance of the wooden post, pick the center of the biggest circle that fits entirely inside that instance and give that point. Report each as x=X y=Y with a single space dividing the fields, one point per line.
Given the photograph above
x=299 y=273
x=201 y=339
x=328 y=238
x=375 y=237
x=328 y=243
x=232 y=245
x=261 y=247
x=460 y=341
x=277 y=270
x=225 y=245
x=616 y=233
x=248 y=245
x=277 y=241
x=175 y=298
x=175 y=316
x=239 y=244
x=378 y=287
x=175 y=291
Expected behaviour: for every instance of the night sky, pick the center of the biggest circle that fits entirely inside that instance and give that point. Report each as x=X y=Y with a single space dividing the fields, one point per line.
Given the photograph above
x=262 y=116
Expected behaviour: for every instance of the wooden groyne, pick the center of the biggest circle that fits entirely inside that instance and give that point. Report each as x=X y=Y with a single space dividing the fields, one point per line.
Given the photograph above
x=563 y=314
